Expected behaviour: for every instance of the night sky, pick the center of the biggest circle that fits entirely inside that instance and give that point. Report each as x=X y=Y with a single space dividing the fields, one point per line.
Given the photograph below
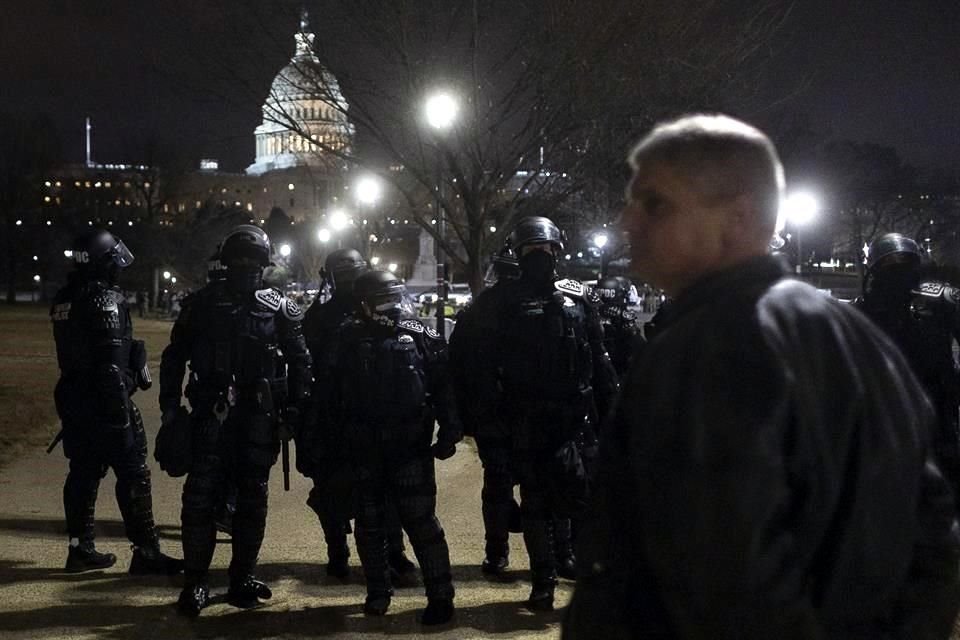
x=885 y=71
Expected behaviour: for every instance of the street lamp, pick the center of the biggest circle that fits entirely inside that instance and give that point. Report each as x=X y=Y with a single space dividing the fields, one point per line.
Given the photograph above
x=600 y=241
x=323 y=235
x=338 y=219
x=285 y=250
x=799 y=209
x=367 y=190
x=441 y=110
x=166 y=275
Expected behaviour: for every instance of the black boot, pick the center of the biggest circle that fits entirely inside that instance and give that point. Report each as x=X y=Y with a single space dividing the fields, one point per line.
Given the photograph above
x=338 y=567
x=149 y=560
x=567 y=567
x=247 y=593
x=193 y=599
x=541 y=597
x=377 y=603
x=495 y=567
x=400 y=563
x=438 y=611
x=85 y=557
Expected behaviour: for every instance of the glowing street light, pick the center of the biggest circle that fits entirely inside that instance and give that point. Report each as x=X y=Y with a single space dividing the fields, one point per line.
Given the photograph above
x=338 y=219
x=600 y=240
x=285 y=250
x=799 y=209
x=392 y=267
x=173 y=280
x=375 y=260
x=368 y=190
x=323 y=235
x=36 y=278
x=441 y=110
x=166 y=275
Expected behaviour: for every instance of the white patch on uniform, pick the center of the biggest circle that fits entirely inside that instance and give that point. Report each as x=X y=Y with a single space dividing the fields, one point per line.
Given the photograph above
x=405 y=338
x=271 y=298
x=61 y=311
x=292 y=310
x=432 y=333
x=411 y=325
x=932 y=289
x=107 y=304
x=568 y=302
x=571 y=287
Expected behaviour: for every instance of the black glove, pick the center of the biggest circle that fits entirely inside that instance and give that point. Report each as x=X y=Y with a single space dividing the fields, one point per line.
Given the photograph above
x=444 y=450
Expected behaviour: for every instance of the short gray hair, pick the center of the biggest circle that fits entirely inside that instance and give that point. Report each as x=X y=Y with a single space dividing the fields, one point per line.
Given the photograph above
x=723 y=158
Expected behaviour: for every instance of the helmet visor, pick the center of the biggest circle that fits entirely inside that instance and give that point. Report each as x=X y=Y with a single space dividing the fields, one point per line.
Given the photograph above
x=121 y=255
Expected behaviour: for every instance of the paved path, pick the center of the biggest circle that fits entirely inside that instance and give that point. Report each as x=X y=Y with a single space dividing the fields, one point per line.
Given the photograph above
x=37 y=600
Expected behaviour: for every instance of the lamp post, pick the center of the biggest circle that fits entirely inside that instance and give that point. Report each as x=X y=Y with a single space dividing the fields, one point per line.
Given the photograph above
x=600 y=241
x=800 y=209
x=441 y=112
x=367 y=191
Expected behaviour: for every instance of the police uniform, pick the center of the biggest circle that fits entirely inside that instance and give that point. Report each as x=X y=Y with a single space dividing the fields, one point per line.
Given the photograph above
x=101 y=367
x=248 y=362
x=392 y=387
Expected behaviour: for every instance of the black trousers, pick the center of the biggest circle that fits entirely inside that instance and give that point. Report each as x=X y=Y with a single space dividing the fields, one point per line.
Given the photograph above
x=407 y=479
x=93 y=450
x=237 y=453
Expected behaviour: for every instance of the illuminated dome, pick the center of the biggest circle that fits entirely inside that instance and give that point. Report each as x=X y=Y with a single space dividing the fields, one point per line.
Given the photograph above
x=302 y=103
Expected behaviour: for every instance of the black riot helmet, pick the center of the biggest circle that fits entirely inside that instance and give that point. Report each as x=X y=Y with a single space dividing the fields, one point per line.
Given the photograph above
x=215 y=269
x=503 y=266
x=343 y=267
x=245 y=243
x=614 y=291
x=245 y=251
x=891 y=248
x=382 y=297
x=535 y=230
x=100 y=253
x=893 y=268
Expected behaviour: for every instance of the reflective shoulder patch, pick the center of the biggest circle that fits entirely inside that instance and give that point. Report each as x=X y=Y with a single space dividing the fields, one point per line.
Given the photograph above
x=932 y=289
x=411 y=325
x=271 y=298
x=291 y=310
x=571 y=287
x=60 y=312
x=431 y=333
x=405 y=338
x=105 y=302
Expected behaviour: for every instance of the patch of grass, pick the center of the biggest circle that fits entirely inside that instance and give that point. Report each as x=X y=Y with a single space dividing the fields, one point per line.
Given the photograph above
x=29 y=372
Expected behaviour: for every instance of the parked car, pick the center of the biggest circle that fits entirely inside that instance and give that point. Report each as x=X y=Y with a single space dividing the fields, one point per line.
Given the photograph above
x=457 y=294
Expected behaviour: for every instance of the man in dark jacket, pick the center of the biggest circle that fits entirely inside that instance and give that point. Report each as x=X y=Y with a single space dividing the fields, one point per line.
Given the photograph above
x=768 y=471
x=101 y=367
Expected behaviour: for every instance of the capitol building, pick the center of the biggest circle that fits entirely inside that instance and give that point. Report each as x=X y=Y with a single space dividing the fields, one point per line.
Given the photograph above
x=303 y=116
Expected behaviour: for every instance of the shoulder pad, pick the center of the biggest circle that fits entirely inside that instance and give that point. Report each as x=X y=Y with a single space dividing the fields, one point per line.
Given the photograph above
x=629 y=316
x=291 y=310
x=411 y=325
x=105 y=301
x=571 y=287
x=271 y=298
x=431 y=333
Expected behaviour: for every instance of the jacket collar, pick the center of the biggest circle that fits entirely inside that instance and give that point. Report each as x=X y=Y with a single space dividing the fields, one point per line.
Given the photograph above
x=754 y=274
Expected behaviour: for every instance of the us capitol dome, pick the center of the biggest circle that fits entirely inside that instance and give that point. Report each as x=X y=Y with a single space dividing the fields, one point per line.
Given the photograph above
x=301 y=104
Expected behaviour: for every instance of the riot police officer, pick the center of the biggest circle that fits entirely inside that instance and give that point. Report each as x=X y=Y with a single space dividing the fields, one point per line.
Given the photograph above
x=922 y=316
x=546 y=377
x=249 y=365
x=101 y=366
x=318 y=455
x=391 y=373
x=500 y=510
x=621 y=330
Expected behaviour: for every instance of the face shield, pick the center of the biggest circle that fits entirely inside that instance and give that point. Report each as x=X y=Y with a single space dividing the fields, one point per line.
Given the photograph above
x=390 y=306
x=120 y=255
